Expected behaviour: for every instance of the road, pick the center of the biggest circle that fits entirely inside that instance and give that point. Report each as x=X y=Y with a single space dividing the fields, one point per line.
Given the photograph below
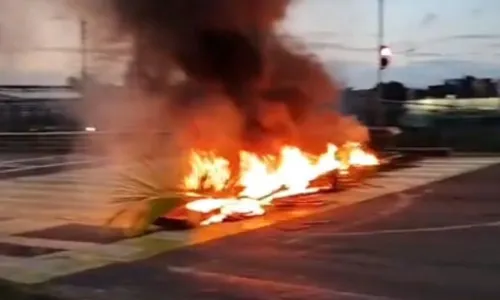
x=38 y=185
x=439 y=241
x=22 y=165
x=435 y=242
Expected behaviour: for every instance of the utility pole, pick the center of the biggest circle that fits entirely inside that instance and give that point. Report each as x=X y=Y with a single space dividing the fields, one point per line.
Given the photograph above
x=379 y=105
x=83 y=49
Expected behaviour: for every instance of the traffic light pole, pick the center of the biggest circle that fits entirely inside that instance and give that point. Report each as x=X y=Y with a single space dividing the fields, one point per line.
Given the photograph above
x=83 y=37
x=379 y=105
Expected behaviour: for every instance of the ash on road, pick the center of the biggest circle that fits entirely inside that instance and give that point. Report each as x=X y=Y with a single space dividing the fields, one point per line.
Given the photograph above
x=436 y=242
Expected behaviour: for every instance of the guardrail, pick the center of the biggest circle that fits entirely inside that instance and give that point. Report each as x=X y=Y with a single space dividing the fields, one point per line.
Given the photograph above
x=59 y=142
x=86 y=141
x=46 y=142
x=461 y=136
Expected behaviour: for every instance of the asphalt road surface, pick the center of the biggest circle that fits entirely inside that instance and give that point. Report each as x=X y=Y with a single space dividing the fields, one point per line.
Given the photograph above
x=436 y=242
x=22 y=165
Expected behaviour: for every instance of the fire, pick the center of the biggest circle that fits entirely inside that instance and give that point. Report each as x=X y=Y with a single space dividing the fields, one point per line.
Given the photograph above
x=262 y=179
x=359 y=157
x=208 y=172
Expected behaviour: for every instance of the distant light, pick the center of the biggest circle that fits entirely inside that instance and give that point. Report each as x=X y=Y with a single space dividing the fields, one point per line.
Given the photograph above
x=90 y=129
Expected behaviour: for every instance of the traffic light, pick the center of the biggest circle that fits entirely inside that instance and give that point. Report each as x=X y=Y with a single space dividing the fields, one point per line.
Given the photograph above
x=385 y=57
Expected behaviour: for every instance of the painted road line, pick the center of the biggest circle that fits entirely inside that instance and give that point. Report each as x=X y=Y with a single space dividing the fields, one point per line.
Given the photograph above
x=461 y=160
x=460 y=227
x=96 y=170
x=16 y=162
x=83 y=181
x=58 y=187
x=30 y=168
x=99 y=177
x=38 y=158
x=54 y=265
x=298 y=290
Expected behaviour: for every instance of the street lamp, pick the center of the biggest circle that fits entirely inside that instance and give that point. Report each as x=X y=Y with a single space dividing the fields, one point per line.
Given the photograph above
x=83 y=41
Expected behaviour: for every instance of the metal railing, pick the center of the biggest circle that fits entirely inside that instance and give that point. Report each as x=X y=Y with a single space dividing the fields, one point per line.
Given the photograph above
x=45 y=142
x=461 y=133
x=463 y=128
x=61 y=142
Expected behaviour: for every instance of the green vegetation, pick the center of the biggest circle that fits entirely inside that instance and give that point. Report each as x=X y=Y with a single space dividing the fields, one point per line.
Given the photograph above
x=144 y=195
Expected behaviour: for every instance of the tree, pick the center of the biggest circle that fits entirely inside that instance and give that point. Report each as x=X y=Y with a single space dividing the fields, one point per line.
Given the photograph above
x=395 y=91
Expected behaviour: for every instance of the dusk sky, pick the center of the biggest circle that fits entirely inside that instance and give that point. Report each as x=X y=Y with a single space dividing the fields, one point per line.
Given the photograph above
x=432 y=40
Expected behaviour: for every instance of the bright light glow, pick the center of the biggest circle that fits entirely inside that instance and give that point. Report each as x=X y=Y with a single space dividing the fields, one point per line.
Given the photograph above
x=90 y=129
x=386 y=51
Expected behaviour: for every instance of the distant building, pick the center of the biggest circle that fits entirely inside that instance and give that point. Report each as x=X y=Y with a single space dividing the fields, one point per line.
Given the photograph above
x=35 y=108
x=454 y=82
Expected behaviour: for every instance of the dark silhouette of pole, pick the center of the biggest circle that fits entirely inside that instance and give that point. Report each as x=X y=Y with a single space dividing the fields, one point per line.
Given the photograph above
x=83 y=49
x=380 y=92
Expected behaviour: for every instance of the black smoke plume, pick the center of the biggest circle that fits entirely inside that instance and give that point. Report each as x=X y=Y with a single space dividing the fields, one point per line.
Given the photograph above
x=230 y=51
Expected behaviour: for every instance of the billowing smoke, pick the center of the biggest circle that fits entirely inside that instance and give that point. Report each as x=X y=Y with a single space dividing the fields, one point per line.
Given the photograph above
x=227 y=78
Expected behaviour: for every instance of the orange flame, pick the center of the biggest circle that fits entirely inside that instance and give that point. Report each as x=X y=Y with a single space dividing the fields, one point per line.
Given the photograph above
x=208 y=172
x=264 y=179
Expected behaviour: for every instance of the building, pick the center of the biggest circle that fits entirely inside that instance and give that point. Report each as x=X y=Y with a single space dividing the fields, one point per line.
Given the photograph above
x=38 y=108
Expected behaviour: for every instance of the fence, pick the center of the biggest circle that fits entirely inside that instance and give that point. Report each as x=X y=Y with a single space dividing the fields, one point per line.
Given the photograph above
x=63 y=142
x=44 y=142
x=473 y=133
x=460 y=126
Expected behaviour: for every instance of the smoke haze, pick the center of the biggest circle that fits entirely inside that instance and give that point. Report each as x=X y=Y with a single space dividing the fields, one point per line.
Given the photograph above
x=224 y=79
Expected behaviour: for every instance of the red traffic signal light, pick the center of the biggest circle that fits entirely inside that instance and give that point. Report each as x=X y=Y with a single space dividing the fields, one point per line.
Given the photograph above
x=385 y=55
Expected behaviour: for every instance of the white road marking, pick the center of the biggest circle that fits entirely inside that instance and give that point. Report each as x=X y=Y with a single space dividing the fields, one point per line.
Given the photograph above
x=403 y=202
x=61 y=164
x=459 y=227
x=317 y=292
x=45 y=158
x=37 y=158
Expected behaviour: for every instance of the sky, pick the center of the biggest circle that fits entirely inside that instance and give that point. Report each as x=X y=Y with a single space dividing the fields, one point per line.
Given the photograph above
x=431 y=40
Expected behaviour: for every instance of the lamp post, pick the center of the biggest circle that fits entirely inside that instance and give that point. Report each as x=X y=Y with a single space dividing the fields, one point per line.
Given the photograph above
x=83 y=48
x=380 y=44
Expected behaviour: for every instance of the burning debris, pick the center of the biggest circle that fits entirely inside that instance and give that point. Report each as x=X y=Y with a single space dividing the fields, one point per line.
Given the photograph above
x=265 y=179
x=251 y=108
